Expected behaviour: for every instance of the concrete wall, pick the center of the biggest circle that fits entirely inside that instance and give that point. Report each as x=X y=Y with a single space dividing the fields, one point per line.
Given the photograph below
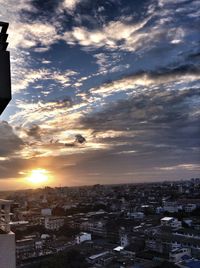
x=7 y=250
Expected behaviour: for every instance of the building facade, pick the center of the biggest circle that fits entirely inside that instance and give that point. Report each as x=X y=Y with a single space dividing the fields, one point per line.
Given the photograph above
x=7 y=238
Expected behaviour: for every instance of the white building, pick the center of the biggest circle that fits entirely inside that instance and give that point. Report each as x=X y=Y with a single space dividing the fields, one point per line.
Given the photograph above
x=124 y=240
x=177 y=254
x=46 y=212
x=171 y=222
x=190 y=207
x=7 y=238
x=136 y=215
x=54 y=223
x=45 y=236
x=180 y=189
x=171 y=207
x=83 y=237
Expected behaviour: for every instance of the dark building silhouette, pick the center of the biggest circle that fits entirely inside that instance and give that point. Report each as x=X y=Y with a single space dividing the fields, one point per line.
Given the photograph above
x=5 y=79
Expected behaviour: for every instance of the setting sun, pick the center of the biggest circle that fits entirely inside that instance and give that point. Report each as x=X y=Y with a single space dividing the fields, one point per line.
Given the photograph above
x=38 y=176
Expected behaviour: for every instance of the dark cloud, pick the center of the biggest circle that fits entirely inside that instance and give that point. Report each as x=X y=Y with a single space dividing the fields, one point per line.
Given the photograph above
x=66 y=102
x=56 y=104
x=170 y=73
x=161 y=120
x=34 y=131
x=11 y=168
x=10 y=143
x=79 y=139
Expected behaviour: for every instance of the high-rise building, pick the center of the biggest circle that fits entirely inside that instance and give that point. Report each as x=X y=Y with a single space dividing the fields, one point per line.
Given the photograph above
x=7 y=237
x=5 y=80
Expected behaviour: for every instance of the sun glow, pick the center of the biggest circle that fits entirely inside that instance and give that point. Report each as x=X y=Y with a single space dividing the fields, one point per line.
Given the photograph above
x=38 y=176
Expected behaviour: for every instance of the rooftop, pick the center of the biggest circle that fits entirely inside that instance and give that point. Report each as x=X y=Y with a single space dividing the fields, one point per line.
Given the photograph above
x=167 y=219
x=4 y=201
x=96 y=256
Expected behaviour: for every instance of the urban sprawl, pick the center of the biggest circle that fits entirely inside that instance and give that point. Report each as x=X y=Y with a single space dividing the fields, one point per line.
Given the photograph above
x=126 y=226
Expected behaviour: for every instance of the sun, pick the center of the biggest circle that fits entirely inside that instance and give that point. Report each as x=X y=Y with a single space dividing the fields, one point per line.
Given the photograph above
x=38 y=176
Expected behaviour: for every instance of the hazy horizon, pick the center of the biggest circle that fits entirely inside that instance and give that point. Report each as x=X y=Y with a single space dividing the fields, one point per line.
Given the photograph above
x=104 y=184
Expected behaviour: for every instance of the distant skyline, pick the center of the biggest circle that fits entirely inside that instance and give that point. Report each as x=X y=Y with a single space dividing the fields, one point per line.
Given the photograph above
x=103 y=92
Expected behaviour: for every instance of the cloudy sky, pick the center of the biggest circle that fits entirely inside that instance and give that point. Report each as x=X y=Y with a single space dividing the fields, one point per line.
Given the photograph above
x=104 y=91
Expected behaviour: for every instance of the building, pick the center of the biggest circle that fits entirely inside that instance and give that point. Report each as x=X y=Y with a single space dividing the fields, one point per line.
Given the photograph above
x=171 y=207
x=136 y=215
x=176 y=255
x=101 y=259
x=97 y=228
x=166 y=240
x=46 y=211
x=25 y=248
x=171 y=222
x=190 y=207
x=5 y=81
x=54 y=223
x=82 y=237
x=123 y=236
x=7 y=238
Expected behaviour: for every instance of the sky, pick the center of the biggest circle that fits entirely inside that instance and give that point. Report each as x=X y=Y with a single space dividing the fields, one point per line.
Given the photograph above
x=104 y=91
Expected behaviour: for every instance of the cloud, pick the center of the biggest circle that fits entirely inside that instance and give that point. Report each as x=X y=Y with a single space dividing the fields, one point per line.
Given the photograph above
x=34 y=131
x=69 y=5
x=187 y=166
x=117 y=35
x=147 y=117
x=151 y=121
x=183 y=73
x=157 y=27
x=26 y=32
x=32 y=35
x=107 y=37
x=30 y=76
x=80 y=139
x=110 y=63
x=42 y=112
x=10 y=143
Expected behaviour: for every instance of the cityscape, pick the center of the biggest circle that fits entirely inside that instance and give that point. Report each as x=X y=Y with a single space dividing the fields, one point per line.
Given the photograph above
x=99 y=134
x=127 y=225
